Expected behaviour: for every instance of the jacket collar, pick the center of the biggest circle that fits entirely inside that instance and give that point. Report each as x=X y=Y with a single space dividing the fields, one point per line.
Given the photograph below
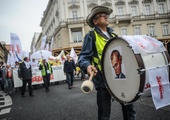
x=109 y=30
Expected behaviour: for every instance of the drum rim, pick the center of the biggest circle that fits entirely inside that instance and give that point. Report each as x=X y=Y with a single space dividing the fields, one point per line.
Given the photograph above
x=140 y=65
x=168 y=59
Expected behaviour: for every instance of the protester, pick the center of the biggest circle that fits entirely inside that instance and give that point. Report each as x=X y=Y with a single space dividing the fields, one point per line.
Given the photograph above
x=8 y=82
x=46 y=71
x=16 y=64
x=34 y=63
x=69 y=68
x=25 y=74
x=90 y=57
x=78 y=70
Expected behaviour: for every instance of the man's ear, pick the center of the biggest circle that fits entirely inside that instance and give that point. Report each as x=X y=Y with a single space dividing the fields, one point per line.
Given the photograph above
x=94 y=21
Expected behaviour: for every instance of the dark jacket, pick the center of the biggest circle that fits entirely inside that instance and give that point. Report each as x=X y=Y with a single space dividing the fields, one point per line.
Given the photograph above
x=88 y=51
x=69 y=66
x=24 y=72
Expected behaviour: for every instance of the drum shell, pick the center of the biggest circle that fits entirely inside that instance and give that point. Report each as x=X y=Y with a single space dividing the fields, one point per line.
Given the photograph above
x=135 y=60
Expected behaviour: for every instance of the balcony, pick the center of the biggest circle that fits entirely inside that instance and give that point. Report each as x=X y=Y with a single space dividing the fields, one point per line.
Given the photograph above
x=151 y=17
x=75 y=20
x=120 y=18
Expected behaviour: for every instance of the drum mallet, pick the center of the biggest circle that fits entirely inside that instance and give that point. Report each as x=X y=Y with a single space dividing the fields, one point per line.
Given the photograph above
x=87 y=86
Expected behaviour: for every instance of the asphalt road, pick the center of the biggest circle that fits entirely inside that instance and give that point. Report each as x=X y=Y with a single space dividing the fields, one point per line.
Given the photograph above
x=64 y=104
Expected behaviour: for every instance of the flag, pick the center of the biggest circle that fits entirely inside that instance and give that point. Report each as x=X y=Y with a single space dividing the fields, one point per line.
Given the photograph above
x=159 y=81
x=16 y=47
x=73 y=55
x=62 y=56
x=12 y=59
x=52 y=41
x=43 y=42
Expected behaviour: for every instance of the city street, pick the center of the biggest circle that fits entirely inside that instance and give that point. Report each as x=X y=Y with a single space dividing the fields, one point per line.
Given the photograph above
x=61 y=103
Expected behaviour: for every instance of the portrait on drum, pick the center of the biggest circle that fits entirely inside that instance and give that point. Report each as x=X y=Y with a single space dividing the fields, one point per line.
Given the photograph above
x=116 y=63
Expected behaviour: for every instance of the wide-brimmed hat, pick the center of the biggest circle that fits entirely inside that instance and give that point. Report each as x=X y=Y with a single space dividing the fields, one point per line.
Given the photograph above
x=94 y=11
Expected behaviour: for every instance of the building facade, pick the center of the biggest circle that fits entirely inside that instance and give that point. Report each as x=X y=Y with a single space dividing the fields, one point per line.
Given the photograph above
x=3 y=52
x=65 y=20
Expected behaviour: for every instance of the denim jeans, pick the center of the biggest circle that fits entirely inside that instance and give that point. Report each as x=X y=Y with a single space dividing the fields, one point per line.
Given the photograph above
x=104 y=106
x=8 y=88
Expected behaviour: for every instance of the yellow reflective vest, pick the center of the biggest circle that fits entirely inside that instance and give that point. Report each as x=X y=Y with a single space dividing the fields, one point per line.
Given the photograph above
x=43 y=72
x=100 y=43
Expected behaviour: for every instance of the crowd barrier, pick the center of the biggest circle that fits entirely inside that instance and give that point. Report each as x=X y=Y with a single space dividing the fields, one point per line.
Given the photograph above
x=58 y=75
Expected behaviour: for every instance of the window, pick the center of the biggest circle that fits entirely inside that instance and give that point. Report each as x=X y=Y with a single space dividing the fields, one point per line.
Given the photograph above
x=161 y=8
x=73 y=0
x=137 y=30
x=77 y=36
x=120 y=11
x=134 y=10
x=74 y=14
x=148 y=9
x=123 y=31
x=152 y=30
x=165 y=29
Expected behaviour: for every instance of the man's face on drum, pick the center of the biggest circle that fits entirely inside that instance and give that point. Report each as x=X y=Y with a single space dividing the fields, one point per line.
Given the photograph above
x=116 y=63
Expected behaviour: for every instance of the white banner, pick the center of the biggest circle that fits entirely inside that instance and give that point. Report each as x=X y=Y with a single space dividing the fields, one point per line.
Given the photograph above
x=159 y=81
x=16 y=47
x=144 y=44
x=58 y=75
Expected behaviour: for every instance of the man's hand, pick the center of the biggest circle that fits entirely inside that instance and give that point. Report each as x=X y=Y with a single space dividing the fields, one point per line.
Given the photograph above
x=91 y=68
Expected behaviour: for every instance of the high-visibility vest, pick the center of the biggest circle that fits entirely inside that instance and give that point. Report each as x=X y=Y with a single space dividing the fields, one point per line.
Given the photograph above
x=100 y=43
x=43 y=72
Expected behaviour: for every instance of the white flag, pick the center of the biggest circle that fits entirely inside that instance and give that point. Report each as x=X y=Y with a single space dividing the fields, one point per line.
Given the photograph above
x=159 y=81
x=16 y=47
x=62 y=56
x=13 y=59
x=52 y=41
x=43 y=42
x=73 y=55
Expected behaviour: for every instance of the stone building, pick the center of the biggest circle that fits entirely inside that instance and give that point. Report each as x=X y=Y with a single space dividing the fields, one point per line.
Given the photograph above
x=3 y=52
x=65 y=20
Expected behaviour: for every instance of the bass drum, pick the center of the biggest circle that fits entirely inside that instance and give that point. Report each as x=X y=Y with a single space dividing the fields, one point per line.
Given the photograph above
x=123 y=76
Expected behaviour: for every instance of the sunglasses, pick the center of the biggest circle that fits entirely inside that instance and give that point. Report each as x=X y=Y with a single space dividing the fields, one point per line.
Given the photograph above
x=101 y=15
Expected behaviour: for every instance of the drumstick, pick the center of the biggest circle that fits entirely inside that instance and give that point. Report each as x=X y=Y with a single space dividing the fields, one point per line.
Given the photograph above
x=87 y=85
x=91 y=75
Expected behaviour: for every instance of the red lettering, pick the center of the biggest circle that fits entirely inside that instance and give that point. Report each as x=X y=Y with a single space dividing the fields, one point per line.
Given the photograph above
x=161 y=89
x=140 y=44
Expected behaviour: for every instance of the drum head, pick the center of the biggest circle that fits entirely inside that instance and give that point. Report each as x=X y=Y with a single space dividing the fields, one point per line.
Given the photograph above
x=121 y=74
